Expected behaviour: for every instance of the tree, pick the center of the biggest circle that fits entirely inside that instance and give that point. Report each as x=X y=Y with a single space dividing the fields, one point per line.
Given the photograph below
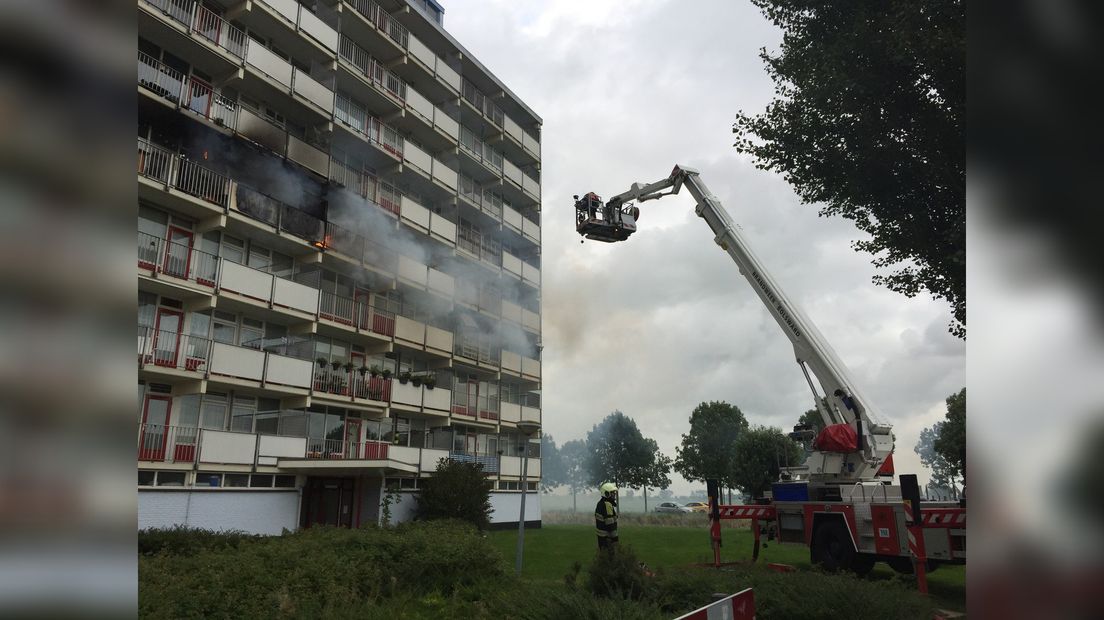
x=951 y=443
x=573 y=457
x=707 y=451
x=616 y=452
x=942 y=472
x=656 y=473
x=868 y=119
x=552 y=465
x=812 y=419
x=456 y=490
x=760 y=453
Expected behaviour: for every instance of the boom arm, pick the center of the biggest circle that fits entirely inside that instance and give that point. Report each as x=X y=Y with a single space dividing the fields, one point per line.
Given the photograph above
x=846 y=404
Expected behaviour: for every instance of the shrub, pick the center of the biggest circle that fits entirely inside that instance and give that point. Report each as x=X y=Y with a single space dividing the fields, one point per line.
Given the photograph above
x=183 y=540
x=456 y=490
x=616 y=573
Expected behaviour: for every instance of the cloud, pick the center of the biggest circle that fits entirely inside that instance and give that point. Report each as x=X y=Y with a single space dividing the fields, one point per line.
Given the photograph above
x=657 y=324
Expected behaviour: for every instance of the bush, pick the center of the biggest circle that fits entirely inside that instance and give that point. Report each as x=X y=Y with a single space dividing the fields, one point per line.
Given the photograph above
x=183 y=540
x=616 y=573
x=456 y=490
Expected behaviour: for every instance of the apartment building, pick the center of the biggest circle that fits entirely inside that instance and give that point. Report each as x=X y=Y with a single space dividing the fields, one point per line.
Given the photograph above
x=338 y=264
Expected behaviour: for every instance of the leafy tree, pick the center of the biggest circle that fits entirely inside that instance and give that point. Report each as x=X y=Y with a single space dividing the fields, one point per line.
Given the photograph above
x=552 y=465
x=456 y=490
x=942 y=472
x=707 y=450
x=617 y=452
x=760 y=453
x=951 y=443
x=868 y=120
x=573 y=457
x=812 y=419
x=656 y=473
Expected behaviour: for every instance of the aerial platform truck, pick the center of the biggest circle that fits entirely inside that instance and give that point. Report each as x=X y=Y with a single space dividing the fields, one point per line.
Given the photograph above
x=841 y=502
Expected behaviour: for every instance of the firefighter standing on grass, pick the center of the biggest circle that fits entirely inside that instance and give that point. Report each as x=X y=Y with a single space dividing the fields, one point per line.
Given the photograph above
x=605 y=516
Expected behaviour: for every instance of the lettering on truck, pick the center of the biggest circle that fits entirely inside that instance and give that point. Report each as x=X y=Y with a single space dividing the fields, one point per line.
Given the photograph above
x=777 y=306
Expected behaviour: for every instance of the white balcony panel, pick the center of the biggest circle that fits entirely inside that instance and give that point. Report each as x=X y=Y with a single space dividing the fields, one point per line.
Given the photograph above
x=534 y=468
x=438 y=339
x=288 y=8
x=448 y=75
x=240 y=362
x=404 y=454
x=288 y=371
x=412 y=270
x=421 y=52
x=411 y=331
x=438 y=399
x=442 y=228
x=442 y=283
x=530 y=367
x=314 y=91
x=446 y=123
x=512 y=218
x=418 y=158
x=245 y=281
x=512 y=172
x=509 y=465
x=511 y=312
x=530 y=320
x=268 y=63
x=414 y=213
x=530 y=229
x=530 y=185
x=511 y=362
x=531 y=144
x=307 y=155
x=511 y=263
x=512 y=129
x=430 y=458
x=406 y=394
x=444 y=174
x=509 y=412
x=295 y=296
x=530 y=414
x=310 y=24
x=225 y=447
x=530 y=273
x=419 y=104
x=261 y=131
x=272 y=448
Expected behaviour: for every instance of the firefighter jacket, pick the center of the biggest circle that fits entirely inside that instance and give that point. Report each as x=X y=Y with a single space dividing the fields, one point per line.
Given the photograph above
x=605 y=519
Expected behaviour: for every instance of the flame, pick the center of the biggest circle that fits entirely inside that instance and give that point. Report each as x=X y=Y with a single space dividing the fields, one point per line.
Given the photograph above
x=324 y=243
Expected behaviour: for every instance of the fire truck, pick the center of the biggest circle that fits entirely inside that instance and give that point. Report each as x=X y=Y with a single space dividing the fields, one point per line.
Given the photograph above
x=841 y=502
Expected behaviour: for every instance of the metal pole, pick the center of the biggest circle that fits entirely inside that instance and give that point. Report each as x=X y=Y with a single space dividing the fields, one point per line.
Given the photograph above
x=521 y=518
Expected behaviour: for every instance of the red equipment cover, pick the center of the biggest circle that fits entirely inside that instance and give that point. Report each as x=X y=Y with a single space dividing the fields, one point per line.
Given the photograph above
x=887 y=466
x=837 y=438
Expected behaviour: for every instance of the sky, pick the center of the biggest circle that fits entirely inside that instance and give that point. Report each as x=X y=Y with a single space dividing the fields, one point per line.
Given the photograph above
x=657 y=324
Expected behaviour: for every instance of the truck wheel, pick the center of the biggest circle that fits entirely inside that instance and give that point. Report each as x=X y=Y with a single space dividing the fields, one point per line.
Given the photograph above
x=832 y=546
x=903 y=565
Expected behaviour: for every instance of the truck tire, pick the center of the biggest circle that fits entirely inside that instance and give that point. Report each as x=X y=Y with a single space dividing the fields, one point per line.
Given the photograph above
x=832 y=547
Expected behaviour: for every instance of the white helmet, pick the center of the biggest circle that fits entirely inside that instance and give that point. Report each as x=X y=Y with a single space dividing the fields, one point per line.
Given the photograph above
x=607 y=488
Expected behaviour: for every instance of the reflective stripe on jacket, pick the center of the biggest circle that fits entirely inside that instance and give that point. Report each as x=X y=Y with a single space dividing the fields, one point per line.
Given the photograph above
x=605 y=519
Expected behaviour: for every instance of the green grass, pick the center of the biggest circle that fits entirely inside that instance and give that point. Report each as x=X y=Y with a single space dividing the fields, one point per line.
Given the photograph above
x=551 y=551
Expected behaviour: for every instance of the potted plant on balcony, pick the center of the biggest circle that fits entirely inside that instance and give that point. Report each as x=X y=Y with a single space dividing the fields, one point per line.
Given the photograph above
x=430 y=381
x=375 y=371
x=349 y=366
x=416 y=380
x=363 y=370
x=336 y=364
x=386 y=373
x=322 y=362
x=404 y=376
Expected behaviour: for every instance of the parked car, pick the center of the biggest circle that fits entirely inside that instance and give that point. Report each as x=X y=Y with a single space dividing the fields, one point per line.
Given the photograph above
x=672 y=507
x=698 y=506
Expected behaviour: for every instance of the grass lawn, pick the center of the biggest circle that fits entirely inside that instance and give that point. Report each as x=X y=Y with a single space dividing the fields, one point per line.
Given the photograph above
x=551 y=551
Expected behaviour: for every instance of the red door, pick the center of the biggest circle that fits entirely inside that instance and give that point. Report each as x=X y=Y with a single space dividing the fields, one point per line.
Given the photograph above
x=352 y=439
x=166 y=337
x=155 y=428
x=178 y=253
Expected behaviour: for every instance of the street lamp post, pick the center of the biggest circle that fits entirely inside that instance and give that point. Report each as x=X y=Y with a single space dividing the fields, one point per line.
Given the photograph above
x=527 y=429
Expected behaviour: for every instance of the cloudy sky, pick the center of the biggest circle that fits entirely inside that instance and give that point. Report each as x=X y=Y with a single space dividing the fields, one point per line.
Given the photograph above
x=657 y=324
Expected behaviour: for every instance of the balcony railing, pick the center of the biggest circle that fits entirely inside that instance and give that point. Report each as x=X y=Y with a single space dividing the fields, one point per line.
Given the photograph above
x=356 y=117
x=367 y=186
x=356 y=314
x=205 y=23
x=168 y=444
x=482 y=103
x=193 y=93
x=178 y=260
x=351 y=383
x=163 y=165
x=372 y=69
x=173 y=350
x=383 y=20
x=163 y=443
x=346 y=449
x=489 y=462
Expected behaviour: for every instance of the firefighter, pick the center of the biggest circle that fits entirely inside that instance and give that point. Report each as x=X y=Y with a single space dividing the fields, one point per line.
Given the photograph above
x=605 y=516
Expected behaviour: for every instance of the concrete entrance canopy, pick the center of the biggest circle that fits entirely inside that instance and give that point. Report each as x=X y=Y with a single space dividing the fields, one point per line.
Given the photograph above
x=339 y=467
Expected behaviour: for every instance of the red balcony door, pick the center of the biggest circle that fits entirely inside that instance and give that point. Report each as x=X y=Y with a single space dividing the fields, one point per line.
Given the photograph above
x=155 y=422
x=166 y=338
x=352 y=439
x=178 y=252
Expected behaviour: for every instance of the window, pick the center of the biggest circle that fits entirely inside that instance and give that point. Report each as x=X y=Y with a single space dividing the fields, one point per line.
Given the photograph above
x=236 y=480
x=145 y=477
x=268 y=416
x=205 y=479
x=260 y=480
x=241 y=414
x=285 y=482
x=187 y=410
x=147 y=308
x=225 y=328
x=170 y=478
x=213 y=412
x=233 y=249
x=252 y=333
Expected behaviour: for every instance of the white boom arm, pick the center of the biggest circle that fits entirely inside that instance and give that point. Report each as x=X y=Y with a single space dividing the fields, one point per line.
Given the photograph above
x=846 y=403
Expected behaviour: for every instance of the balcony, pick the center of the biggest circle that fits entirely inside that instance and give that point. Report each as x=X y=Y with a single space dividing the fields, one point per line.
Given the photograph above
x=188 y=445
x=203 y=25
x=367 y=17
x=177 y=260
x=349 y=383
x=302 y=33
x=355 y=119
x=368 y=186
x=272 y=76
x=355 y=315
x=175 y=173
x=337 y=449
x=488 y=461
x=372 y=80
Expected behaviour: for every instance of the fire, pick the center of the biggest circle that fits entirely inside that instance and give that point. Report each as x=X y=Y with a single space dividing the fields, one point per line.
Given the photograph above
x=324 y=243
